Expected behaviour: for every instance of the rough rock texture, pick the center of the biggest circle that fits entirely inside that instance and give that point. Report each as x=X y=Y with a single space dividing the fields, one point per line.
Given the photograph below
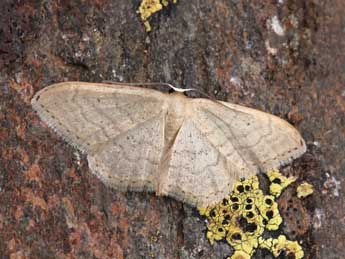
x=284 y=57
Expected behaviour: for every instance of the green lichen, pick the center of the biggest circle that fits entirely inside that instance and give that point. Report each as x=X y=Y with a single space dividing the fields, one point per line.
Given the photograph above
x=243 y=216
x=148 y=7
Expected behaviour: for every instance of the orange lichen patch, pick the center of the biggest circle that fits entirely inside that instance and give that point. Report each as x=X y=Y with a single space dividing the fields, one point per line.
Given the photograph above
x=17 y=255
x=294 y=115
x=79 y=233
x=21 y=153
x=117 y=208
x=53 y=201
x=18 y=213
x=35 y=200
x=305 y=189
x=11 y=245
x=1 y=221
x=72 y=174
x=24 y=89
x=148 y=7
x=20 y=130
x=98 y=244
x=242 y=217
x=69 y=212
x=34 y=174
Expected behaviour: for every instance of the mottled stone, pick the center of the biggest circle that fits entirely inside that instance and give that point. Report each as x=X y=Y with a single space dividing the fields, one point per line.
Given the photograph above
x=50 y=204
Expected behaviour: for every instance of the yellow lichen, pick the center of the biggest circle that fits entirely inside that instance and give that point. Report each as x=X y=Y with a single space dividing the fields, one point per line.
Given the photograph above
x=278 y=182
x=265 y=243
x=282 y=245
x=304 y=190
x=148 y=7
x=243 y=216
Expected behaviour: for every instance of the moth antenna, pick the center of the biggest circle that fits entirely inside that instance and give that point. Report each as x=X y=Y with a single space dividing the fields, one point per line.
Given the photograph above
x=174 y=88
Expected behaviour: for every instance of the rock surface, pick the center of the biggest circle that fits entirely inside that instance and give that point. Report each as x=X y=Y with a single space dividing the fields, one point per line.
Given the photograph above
x=283 y=57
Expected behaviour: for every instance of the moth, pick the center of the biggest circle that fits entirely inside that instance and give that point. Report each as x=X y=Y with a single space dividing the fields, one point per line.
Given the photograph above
x=191 y=149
